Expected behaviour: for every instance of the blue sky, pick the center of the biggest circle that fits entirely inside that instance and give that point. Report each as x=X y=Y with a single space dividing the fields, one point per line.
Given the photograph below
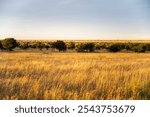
x=75 y=19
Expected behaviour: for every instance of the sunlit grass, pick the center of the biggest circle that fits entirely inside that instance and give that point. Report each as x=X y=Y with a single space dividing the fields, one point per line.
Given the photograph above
x=37 y=75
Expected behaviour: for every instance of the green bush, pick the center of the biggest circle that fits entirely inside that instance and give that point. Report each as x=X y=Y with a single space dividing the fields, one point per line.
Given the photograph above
x=40 y=45
x=1 y=47
x=24 y=45
x=148 y=47
x=139 y=48
x=52 y=45
x=100 y=46
x=128 y=46
x=34 y=45
x=90 y=47
x=60 y=45
x=116 y=47
x=9 y=44
x=71 y=45
x=80 y=47
x=47 y=46
x=87 y=47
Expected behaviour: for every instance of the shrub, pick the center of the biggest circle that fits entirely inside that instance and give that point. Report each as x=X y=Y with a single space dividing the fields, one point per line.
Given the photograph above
x=100 y=46
x=87 y=47
x=9 y=44
x=71 y=45
x=115 y=47
x=90 y=47
x=60 y=45
x=139 y=48
x=128 y=46
x=52 y=45
x=47 y=46
x=80 y=48
x=33 y=45
x=1 y=47
x=40 y=45
x=148 y=47
x=24 y=45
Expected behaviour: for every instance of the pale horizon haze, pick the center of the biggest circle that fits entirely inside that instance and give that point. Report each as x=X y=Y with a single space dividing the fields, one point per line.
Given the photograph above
x=75 y=19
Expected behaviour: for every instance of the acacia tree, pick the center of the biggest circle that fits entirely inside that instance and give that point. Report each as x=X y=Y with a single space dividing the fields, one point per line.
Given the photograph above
x=9 y=44
x=60 y=45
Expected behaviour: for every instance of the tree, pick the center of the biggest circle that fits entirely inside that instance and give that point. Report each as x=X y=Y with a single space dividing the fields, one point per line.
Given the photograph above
x=40 y=45
x=52 y=45
x=80 y=47
x=47 y=46
x=71 y=45
x=128 y=46
x=1 y=47
x=9 y=44
x=148 y=47
x=60 y=45
x=33 y=45
x=139 y=48
x=87 y=47
x=100 y=46
x=24 y=45
x=115 y=47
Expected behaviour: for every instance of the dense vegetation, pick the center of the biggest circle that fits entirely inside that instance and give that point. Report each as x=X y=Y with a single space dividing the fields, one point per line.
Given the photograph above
x=10 y=43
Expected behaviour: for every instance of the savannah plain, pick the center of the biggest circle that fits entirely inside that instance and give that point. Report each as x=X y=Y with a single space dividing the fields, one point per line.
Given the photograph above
x=46 y=75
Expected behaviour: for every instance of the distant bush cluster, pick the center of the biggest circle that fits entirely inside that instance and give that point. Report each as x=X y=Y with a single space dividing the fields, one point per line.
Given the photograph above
x=9 y=44
x=135 y=47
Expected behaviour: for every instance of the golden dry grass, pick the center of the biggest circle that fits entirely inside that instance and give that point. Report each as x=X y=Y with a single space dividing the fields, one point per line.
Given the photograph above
x=85 y=41
x=41 y=75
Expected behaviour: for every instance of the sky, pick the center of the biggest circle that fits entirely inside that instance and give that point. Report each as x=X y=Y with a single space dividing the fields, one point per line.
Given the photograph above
x=75 y=19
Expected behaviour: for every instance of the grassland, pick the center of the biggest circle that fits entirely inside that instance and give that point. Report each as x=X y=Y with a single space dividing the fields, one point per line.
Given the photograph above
x=91 y=41
x=57 y=76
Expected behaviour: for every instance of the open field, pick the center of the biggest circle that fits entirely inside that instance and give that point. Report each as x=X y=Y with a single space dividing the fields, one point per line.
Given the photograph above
x=45 y=75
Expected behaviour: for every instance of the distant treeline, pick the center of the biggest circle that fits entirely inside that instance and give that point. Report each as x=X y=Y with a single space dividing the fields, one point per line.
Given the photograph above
x=9 y=44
